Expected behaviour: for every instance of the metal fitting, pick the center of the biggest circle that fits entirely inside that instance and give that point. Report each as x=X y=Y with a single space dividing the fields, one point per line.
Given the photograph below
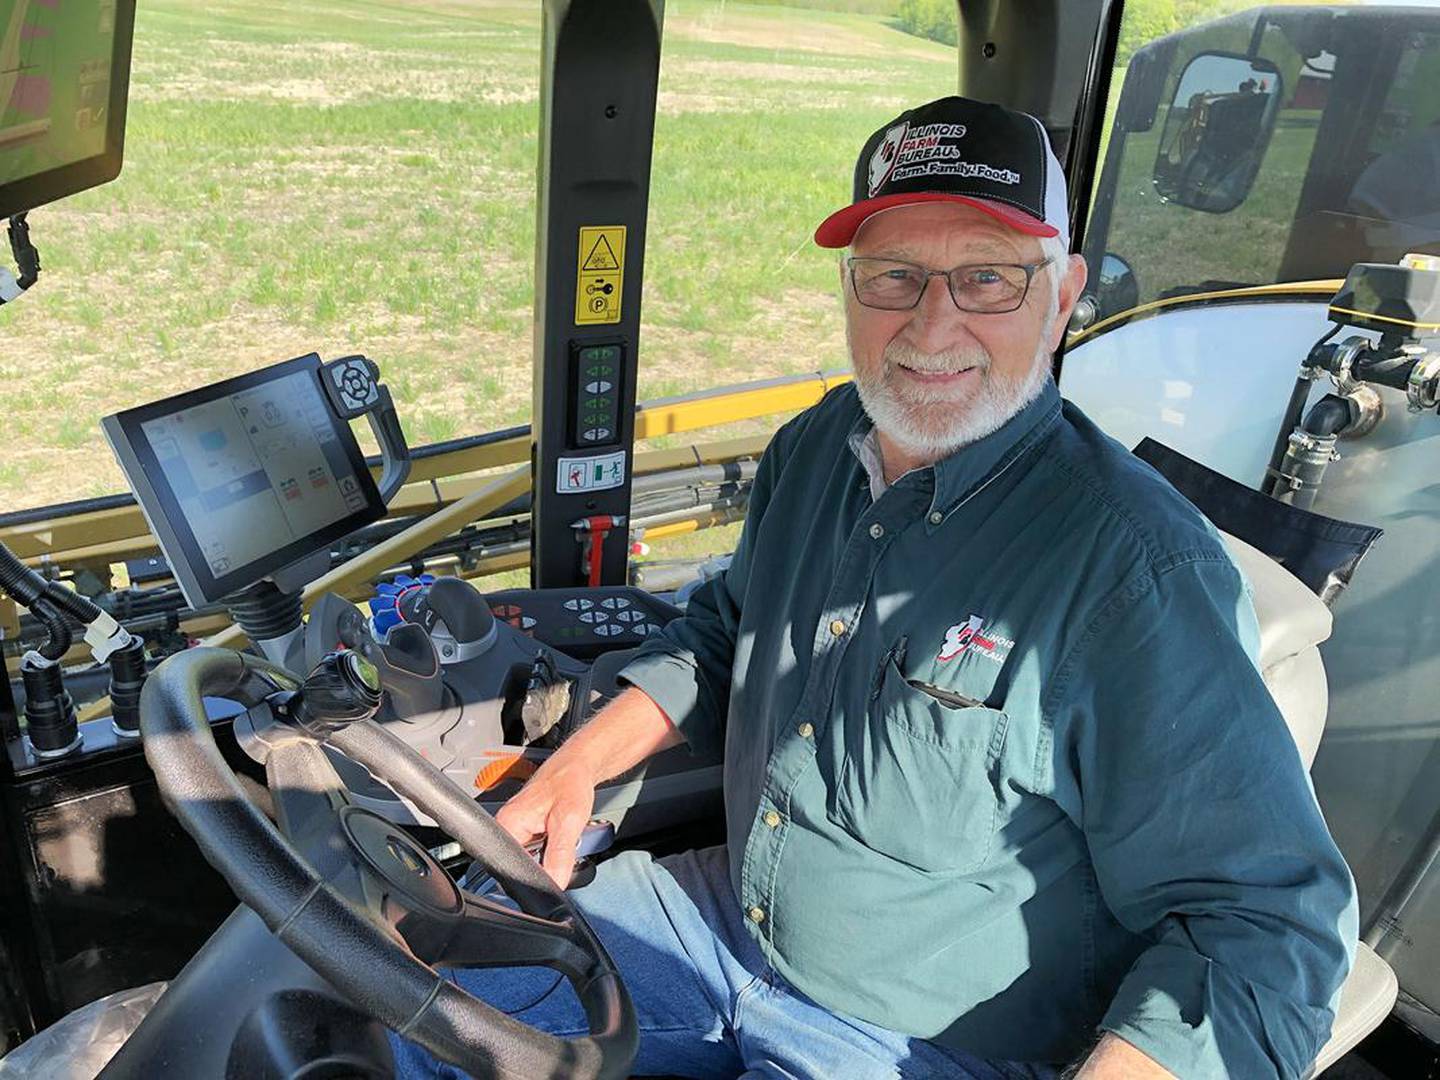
x=1422 y=387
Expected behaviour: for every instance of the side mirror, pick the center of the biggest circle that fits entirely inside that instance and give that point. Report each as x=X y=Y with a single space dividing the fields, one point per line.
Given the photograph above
x=1144 y=85
x=1216 y=131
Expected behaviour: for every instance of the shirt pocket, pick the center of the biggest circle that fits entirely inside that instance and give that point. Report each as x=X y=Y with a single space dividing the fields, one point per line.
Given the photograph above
x=920 y=778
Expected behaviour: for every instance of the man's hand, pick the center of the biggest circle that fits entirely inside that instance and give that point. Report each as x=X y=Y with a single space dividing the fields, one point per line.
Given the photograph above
x=1116 y=1059
x=557 y=801
x=555 y=806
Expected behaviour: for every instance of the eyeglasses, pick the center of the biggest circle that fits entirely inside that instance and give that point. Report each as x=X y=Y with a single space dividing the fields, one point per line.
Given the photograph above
x=984 y=288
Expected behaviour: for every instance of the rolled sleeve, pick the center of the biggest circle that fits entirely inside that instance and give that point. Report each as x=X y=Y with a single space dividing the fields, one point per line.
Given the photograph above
x=687 y=668
x=1203 y=830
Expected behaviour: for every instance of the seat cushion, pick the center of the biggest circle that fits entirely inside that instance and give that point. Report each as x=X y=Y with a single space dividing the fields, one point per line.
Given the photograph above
x=1366 y=999
x=1293 y=621
x=1292 y=618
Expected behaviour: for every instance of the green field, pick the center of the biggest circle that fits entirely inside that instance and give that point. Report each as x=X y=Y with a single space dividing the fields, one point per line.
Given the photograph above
x=360 y=176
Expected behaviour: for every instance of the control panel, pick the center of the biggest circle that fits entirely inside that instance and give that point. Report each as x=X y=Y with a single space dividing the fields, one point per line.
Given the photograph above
x=583 y=622
x=486 y=687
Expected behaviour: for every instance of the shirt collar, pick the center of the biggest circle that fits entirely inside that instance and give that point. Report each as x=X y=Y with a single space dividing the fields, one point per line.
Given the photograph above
x=954 y=477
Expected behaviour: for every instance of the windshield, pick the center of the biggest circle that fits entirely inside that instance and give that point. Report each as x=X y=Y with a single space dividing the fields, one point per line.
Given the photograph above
x=362 y=178
x=1338 y=161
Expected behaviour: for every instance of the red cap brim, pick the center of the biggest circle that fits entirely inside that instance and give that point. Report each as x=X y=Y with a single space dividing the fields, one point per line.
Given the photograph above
x=839 y=228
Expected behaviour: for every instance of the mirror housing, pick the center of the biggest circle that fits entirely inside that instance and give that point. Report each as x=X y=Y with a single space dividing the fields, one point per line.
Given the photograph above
x=1216 y=131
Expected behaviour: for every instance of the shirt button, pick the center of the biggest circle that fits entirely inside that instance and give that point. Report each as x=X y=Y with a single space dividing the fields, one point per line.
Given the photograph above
x=772 y=818
x=757 y=914
x=806 y=730
x=936 y=518
x=876 y=531
x=837 y=627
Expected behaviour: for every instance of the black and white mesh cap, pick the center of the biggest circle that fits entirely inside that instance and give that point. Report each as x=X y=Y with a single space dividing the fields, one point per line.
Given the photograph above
x=958 y=150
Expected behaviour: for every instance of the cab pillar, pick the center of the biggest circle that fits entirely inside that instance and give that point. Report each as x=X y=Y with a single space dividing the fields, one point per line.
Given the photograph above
x=600 y=69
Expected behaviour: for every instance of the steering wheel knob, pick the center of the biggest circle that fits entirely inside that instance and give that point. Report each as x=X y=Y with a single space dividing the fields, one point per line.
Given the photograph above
x=343 y=688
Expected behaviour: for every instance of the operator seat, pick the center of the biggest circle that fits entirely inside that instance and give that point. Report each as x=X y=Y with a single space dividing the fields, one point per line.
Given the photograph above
x=1293 y=623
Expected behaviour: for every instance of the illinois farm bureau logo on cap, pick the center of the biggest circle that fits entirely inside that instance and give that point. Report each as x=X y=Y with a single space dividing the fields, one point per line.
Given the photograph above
x=907 y=153
x=883 y=160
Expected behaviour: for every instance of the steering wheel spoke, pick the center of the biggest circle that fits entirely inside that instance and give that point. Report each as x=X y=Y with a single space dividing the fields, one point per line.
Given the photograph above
x=309 y=798
x=487 y=933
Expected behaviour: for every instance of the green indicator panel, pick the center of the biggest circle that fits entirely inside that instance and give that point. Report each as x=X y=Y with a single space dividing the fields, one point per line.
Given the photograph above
x=595 y=393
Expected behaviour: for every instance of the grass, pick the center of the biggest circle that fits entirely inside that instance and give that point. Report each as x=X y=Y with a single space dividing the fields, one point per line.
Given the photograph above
x=360 y=177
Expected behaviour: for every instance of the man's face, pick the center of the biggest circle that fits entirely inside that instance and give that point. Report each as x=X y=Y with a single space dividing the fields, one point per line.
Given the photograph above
x=936 y=378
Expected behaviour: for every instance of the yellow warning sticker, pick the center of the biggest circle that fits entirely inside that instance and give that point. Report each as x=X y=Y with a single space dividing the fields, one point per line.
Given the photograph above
x=600 y=277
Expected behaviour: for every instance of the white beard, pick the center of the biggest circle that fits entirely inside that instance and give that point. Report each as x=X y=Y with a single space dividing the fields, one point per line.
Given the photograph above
x=931 y=423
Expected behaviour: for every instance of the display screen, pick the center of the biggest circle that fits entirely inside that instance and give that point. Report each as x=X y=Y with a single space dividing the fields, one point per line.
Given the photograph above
x=256 y=470
x=243 y=477
x=64 y=76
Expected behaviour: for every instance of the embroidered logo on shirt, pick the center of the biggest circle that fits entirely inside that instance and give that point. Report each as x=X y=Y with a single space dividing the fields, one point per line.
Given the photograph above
x=970 y=636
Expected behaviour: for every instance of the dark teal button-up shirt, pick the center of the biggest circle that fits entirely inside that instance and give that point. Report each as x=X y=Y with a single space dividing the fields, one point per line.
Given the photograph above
x=1000 y=768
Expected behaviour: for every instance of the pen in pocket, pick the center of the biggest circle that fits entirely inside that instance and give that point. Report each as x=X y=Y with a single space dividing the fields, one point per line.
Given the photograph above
x=945 y=697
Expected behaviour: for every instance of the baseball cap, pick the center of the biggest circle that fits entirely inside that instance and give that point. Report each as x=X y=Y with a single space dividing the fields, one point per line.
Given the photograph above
x=958 y=150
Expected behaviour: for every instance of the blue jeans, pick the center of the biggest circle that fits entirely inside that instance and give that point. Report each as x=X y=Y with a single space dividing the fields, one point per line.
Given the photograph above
x=707 y=1003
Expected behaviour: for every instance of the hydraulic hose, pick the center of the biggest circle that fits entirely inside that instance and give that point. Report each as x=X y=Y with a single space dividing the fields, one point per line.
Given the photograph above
x=49 y=708
x=1294 y=409
x=1330 y=415
x=26 y=586
x=57 y=644
x=19 y=580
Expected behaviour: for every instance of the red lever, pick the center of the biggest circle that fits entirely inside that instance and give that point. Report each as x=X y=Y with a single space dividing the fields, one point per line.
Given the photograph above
x=591 y=532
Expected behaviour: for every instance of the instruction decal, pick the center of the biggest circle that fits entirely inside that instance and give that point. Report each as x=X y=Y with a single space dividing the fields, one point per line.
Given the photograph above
x=590 y=473
x=600 y=274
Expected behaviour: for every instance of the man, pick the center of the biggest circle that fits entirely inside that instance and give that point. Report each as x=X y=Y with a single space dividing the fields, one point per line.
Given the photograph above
x=1001 y=776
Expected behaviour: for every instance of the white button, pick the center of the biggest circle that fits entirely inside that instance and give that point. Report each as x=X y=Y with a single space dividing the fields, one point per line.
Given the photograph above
x=757 y=914
x=936 y=518
x=806 y=730
x=772 y=818
x=837 y=627
x=877 y=530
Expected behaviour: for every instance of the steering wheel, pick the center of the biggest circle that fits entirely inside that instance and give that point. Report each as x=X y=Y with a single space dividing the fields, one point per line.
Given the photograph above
x=351 y=894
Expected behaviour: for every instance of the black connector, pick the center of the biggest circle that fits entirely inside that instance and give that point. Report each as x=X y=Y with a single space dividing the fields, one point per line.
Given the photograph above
x=49 y=710
x=127 y=679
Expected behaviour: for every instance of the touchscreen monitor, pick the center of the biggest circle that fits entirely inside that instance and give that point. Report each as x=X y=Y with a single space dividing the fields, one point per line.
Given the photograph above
x=64 y=82
x=244 y=477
